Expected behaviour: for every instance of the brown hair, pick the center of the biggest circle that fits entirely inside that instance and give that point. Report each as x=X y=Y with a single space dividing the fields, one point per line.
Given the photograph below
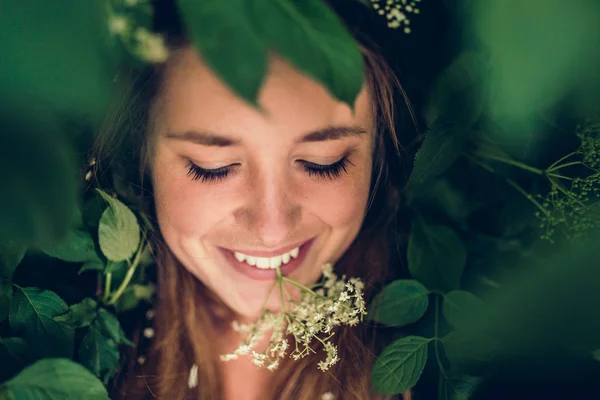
x=184 y=328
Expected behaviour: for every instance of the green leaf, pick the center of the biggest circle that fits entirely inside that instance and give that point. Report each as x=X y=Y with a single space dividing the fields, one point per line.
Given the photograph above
x=77 y=246
x=55 y=379
x=596 y=355
x=457 y=387
x=80 y=314
x=402 y=302
x=31 y=315
x=214 y=25
x=132 y=296
x=443 y=144
x=458 y=304
x=99 y=354
x=436 y=256
x=400 y=365
x=110 y=327
x=311 y=36
x=460 y=92
x=5 y=298
x=15 y=354
x=118 y=231
x=95 y=265
x=11 y=254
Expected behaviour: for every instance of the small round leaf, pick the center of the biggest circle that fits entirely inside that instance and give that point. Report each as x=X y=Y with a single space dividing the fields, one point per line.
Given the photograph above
x=402 y=302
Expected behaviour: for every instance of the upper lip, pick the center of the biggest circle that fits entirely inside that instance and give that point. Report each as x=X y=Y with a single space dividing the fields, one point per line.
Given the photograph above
x=270 y=253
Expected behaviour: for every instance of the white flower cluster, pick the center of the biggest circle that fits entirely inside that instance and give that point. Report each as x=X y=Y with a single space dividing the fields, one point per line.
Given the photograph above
x=333 y=302
x=146 y=45
x=395 y=12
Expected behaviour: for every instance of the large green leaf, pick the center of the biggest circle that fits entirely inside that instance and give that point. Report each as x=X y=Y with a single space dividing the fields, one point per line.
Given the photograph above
x=459 y=304
x=436 y=256
x=11 y=254
x=402 y=302
x=77 y=246
x=15 y=354
x=54 y=379
x=80 y=315
x=310 y=35
x=99 y=354
x=32 y=313
x=214 y=25
x=400 y=365
x=118 y=231
x=443 y=144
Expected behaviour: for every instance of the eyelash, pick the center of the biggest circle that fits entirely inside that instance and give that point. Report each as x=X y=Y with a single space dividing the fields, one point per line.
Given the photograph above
x=330 y=171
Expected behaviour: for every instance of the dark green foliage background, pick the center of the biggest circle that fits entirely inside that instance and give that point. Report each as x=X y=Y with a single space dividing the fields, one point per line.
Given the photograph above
x=500 y=207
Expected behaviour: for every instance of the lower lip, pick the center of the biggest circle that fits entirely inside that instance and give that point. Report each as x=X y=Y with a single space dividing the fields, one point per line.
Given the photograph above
x=267 y=274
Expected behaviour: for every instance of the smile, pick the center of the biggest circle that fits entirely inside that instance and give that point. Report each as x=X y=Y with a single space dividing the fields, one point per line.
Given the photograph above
x=268 y=262
x=262 y=265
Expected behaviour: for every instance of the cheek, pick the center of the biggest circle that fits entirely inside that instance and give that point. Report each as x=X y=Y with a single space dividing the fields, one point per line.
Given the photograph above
x=182 y=206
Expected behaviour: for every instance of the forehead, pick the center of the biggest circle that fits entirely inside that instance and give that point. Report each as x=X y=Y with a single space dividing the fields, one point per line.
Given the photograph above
x=193 y=97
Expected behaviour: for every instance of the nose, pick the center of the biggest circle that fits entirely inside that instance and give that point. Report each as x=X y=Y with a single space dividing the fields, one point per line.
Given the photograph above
x=271 y=211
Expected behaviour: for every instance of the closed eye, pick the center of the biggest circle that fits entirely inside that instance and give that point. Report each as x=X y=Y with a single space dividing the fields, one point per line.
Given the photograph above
x=329 y=171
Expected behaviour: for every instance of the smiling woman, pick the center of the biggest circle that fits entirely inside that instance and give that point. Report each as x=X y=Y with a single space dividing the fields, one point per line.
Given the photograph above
x=241 y=195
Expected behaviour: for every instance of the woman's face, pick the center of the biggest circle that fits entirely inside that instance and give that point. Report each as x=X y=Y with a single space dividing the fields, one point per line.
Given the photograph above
x=235 y=187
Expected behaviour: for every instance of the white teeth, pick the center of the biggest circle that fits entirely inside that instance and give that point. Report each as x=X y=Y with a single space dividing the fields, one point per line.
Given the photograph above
x=262 y=262
x=275 y=262
x=267 y=262
x=294 y=253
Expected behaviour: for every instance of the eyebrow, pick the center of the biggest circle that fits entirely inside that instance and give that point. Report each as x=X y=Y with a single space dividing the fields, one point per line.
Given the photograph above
x=212 y=139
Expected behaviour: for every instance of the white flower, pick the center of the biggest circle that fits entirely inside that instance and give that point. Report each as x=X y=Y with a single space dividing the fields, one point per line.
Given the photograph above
x=327 y=396
x=193 y=377
x=151 y=46
x=118 y=25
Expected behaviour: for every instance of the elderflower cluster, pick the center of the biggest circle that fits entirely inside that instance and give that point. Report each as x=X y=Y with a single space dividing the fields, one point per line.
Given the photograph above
x=575 y=208
x=138 y=40
x=395 y=12
x=312 y=319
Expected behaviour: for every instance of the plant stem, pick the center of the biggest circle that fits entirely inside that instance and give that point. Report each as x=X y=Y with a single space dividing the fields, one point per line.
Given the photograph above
x=527 y=195
x=129 y=275
x=512 y=162
x=551 y=167
x=107 y=283
x=563 y=166
x=298 y=285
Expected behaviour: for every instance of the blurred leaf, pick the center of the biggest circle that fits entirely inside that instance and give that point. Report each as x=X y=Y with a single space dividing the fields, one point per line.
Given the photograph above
x=311 y=36
x=92 y=211
x=78 y=246
x=537 y=51
x=55 y=379
x=457 y=387
x=5 y=298
x=133 y=295
x=443 y=144
x=80 y=315
x=459 y=303
x=11 y=255
x=213 y=26
x=400 y=303
x=436 y=256
x=110 y=327
x=118 y=231
x=99 y=354
x=32 y=315
x=460 y=92
x=56 y=54
x=400 y=365
x=38 y=176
